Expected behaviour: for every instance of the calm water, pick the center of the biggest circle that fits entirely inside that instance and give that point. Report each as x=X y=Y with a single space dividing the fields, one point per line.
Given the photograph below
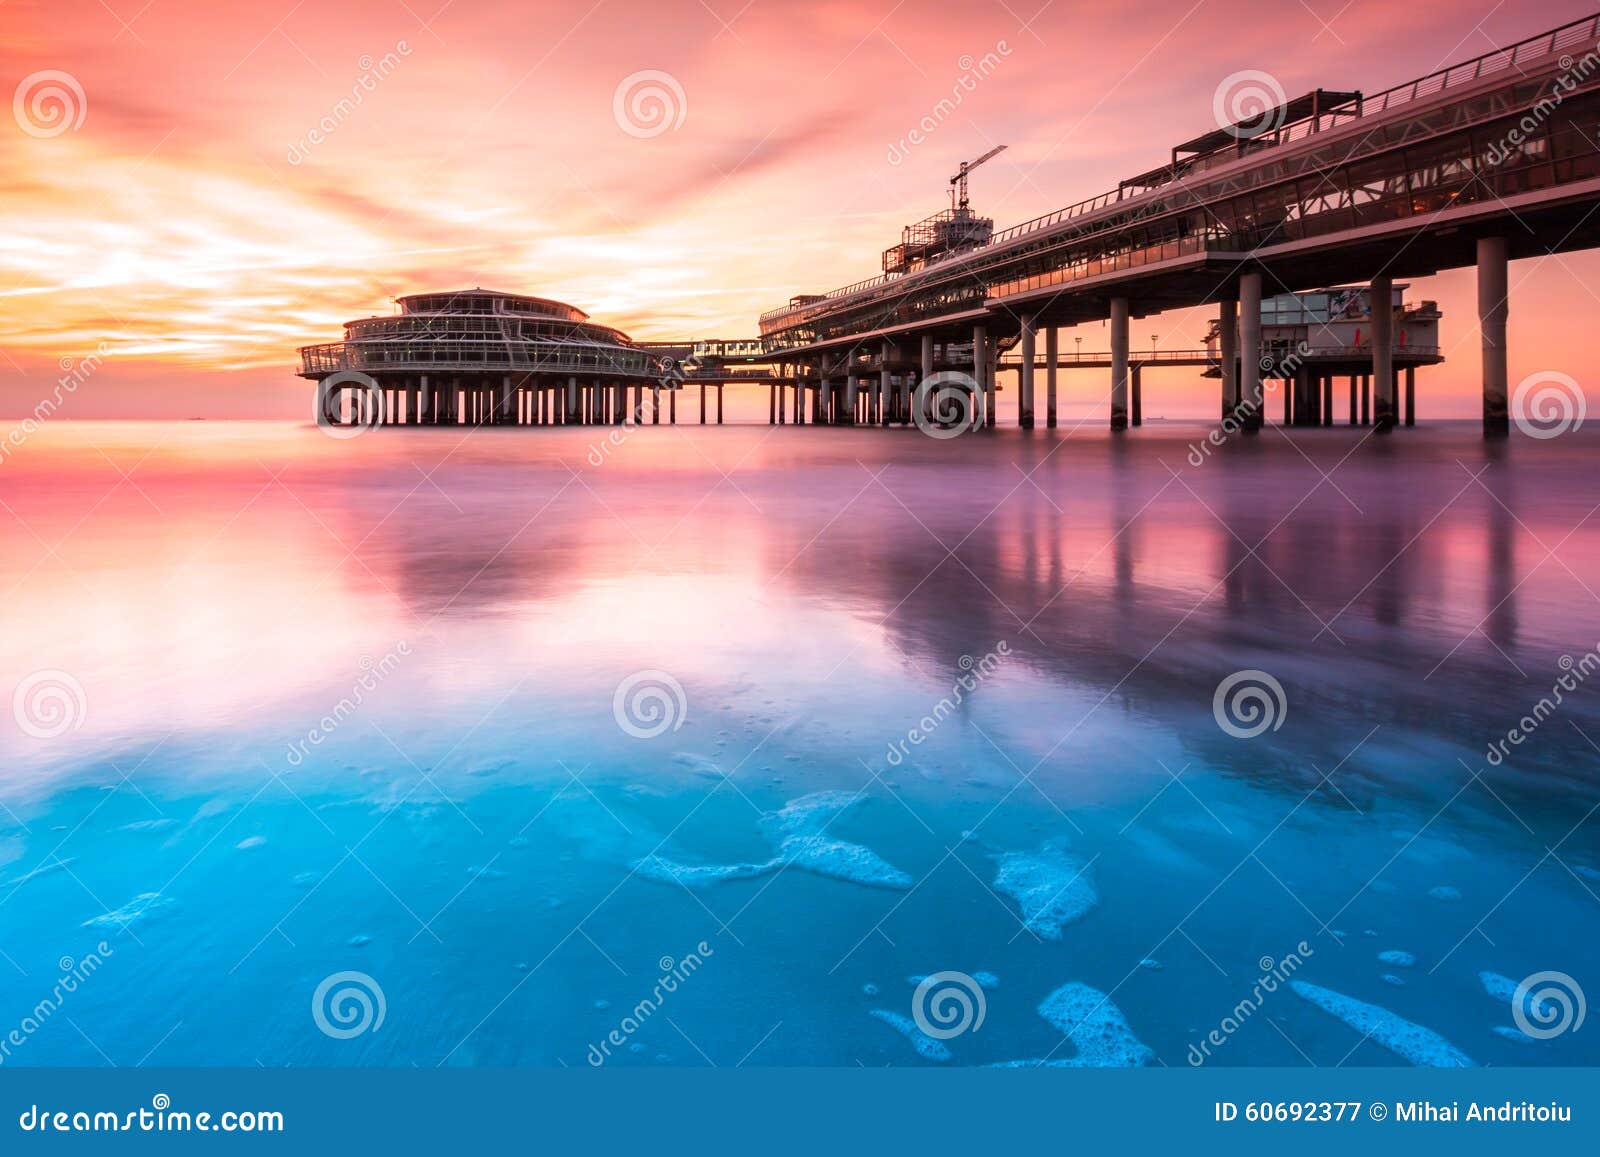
x=353 y=706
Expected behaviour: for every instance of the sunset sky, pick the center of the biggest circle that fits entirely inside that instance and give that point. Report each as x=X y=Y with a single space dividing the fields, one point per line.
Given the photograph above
x=192 y=225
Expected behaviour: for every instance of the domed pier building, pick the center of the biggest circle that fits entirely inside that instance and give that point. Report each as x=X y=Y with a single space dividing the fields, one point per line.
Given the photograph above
x=481 y=357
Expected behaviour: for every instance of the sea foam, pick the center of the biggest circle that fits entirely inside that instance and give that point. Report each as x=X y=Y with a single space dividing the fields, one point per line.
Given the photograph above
x=1095 y=1027
x=796 y=833
x=1420 y=1046
x=1051 y=888
x=934 y=1050
x=135 y=911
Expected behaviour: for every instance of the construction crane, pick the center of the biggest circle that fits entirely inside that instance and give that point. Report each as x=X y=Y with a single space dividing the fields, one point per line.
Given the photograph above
x=959 y=181
x=951 y=231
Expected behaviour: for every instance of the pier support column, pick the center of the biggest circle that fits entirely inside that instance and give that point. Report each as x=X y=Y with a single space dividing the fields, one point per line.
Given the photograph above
x=1025 y=378
x=1252 y=399
x=571 y=415
x=702 y=403
x=1411 y=395
x=1327 y=399
x=1119 y=363
x=1366 y=399
x=655 y=405
x=852 y=397
x=1052 y=353
x=672 y=406
x=980 y=377
x=1228 y=352
x=425 y=401
x=719 y=403
x=505 y=399
x=1307 y=407
x=1384 y=409
x=885 y=384
x=1137 y=395
x=1493 y=308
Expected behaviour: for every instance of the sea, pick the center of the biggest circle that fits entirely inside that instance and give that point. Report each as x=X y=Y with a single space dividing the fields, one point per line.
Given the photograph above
x=755 y=746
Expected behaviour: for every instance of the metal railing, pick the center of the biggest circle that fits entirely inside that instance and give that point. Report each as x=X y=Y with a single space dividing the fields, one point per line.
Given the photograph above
x=1583 y=31
x=475 y=356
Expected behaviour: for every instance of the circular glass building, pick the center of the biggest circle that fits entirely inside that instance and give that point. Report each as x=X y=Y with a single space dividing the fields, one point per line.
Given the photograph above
x=481 y=357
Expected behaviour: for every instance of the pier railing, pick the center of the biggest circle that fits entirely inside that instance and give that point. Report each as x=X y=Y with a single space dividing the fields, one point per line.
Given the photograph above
x=1582 y=33
x=476 y=357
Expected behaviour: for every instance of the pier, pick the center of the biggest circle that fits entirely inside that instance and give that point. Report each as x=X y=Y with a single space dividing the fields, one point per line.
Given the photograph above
x=1472 y=166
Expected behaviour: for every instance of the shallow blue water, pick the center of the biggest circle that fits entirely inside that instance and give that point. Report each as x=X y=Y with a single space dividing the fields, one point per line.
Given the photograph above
x=485 y=837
